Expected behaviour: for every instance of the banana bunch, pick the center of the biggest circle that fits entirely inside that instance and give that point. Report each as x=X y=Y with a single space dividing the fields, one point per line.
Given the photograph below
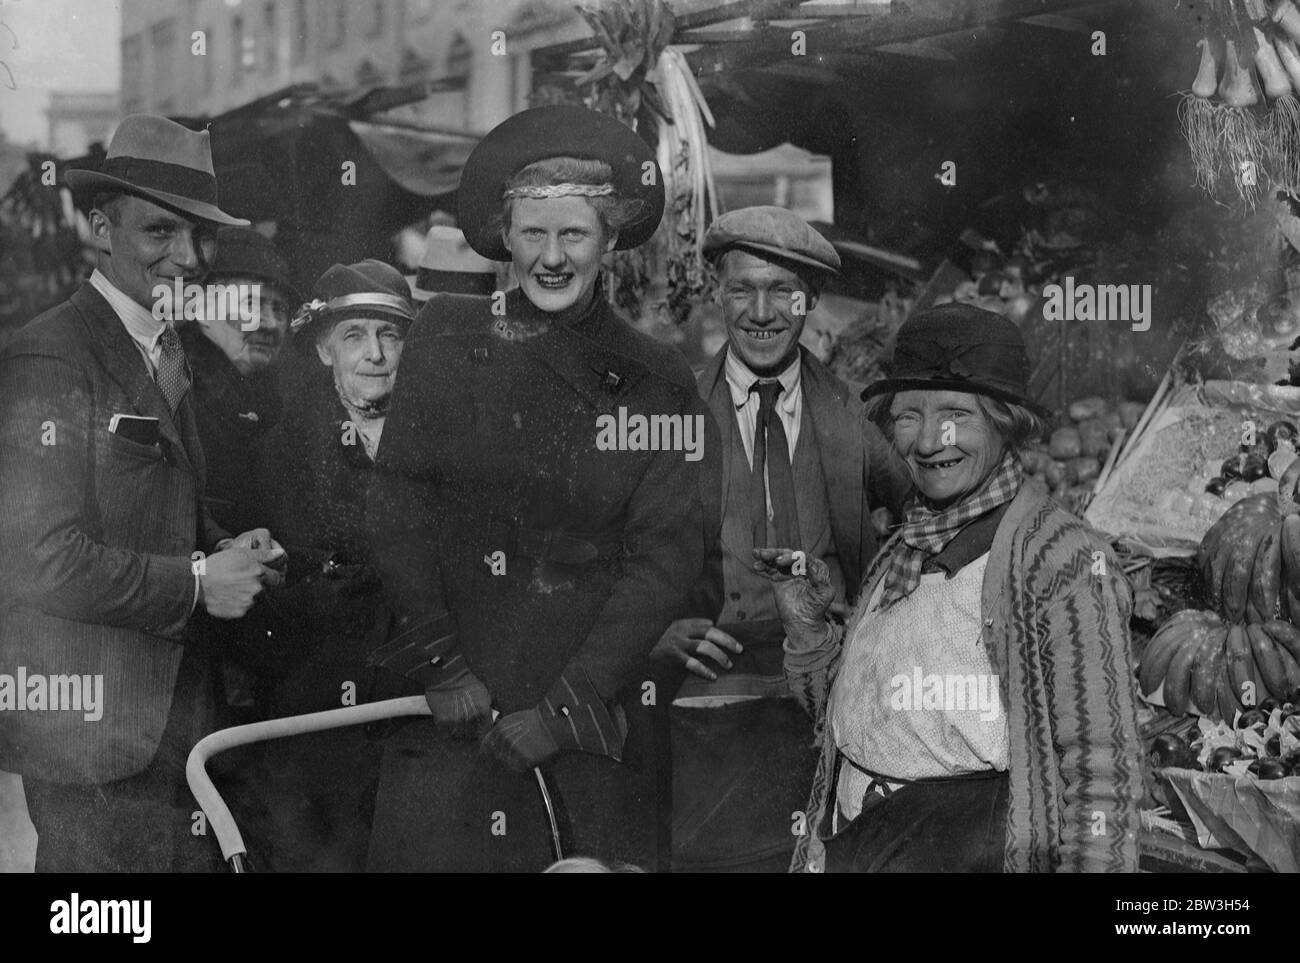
x=1242 y=558
x=1208 y=666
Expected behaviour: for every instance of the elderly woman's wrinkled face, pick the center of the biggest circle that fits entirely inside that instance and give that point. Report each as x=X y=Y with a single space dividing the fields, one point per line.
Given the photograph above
x=949 y=446
x=363 y=353
x=556 y=244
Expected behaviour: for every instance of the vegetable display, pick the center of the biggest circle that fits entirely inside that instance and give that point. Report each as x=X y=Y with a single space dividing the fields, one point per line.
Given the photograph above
x=1241 y=115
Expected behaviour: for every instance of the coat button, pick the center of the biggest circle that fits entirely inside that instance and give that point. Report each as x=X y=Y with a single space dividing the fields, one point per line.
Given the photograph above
x=740 y=615
x=735 y=596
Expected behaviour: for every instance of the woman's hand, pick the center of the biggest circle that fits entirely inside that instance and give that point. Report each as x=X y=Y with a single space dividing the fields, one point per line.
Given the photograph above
x=802 y=600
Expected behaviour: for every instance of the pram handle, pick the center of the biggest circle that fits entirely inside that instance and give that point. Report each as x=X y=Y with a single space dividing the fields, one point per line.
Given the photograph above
x=214 y=807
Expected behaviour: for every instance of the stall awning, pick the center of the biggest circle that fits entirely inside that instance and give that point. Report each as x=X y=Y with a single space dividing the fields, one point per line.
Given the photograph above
x=422 y=162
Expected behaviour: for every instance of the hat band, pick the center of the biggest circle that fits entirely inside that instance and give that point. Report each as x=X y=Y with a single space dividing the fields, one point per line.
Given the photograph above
x=427 y=279
x=545 y=191
x=998 y=365
x=317 y=308
x=161 y=176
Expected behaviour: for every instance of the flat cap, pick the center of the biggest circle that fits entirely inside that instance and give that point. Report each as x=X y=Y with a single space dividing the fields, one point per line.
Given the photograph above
x=771 y=231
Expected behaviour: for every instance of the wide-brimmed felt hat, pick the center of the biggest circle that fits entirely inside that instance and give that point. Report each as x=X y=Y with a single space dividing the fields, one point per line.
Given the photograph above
x=162 y=161
x=772 y=233
x=543 y=132
x=451 y=266
x=367 y=289
x=245 y=253
x=959 y=347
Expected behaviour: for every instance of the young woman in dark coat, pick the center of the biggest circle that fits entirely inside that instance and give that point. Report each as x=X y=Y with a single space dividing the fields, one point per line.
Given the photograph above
x=549 y=554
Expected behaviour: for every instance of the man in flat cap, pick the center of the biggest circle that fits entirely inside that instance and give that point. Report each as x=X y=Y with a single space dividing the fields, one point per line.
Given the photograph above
x=800 y=465
x=101 y=508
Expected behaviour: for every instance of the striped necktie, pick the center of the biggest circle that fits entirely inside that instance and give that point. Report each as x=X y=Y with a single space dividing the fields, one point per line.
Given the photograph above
x=173 y=374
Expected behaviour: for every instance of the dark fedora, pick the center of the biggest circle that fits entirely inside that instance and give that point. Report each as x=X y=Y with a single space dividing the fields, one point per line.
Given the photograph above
x=543 y=132
x=159 y=160
x=367 y=289
x=959 y=347
x=245 y=253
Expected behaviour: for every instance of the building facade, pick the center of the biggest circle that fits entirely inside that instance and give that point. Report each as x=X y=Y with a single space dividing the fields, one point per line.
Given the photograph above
x=199 y=58
x=80 y=118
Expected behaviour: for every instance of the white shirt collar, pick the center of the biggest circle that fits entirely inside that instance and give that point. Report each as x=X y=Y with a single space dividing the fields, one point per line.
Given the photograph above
x=143 y=327
x=740 y=378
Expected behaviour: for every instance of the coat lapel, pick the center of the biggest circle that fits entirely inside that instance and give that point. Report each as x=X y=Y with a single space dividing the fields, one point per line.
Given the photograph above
x=716 y=394
x=842 y=446
x=121 y=361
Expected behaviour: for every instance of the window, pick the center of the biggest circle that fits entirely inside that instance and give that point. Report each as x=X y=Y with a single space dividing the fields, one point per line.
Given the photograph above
x=162 y=38
x=132 y=74
x=338 y=24
x=458 y=59
x=207 y=61
x=271 y=43
x=417 y=10
x=300 y=41
x=376 y=26
x=414 y=68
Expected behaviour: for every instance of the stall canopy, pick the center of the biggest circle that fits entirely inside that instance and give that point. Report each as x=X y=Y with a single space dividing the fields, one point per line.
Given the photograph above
x=338 y=180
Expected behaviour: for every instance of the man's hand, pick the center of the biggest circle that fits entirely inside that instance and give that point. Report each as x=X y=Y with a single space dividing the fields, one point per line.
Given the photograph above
x=258 y=538
x=686 y=641
x=803 y=601
x=233 y=577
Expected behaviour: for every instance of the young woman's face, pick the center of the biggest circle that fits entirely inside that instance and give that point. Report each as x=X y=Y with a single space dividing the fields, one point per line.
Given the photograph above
x=948 y=444
x=556 y=244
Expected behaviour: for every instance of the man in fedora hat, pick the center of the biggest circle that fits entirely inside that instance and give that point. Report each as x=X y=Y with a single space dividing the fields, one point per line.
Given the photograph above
x=800 y=466
x=101 y=511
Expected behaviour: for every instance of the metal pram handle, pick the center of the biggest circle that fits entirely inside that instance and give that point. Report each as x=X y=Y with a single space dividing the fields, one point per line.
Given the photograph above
x=218 y=813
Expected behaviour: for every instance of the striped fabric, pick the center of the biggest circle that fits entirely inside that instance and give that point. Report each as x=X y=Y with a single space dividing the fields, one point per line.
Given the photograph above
x=1056 y=623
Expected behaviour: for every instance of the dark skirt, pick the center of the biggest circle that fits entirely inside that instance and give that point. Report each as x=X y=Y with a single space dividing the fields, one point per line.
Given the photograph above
x=953 y=825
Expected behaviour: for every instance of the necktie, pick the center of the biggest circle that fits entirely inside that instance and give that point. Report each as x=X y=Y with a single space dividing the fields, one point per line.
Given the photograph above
x=772 y=478
x=173 y=375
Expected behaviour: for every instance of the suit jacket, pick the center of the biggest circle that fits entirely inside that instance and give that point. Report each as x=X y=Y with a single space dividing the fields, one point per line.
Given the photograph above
x=862 y=472
x=96 y=533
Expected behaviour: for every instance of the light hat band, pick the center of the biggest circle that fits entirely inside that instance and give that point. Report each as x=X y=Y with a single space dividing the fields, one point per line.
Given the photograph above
x=312 y=310
x=560 y=190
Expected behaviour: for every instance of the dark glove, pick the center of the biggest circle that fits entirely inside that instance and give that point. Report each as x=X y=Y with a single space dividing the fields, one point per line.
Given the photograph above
x=573 y=716
x=460 y=703
x=521 y=740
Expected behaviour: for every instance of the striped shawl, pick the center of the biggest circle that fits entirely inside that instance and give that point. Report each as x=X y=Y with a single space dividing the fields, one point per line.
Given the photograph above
x=1059 y=642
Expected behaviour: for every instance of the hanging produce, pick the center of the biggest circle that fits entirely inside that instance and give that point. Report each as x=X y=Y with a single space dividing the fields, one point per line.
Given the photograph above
x=1241 y=116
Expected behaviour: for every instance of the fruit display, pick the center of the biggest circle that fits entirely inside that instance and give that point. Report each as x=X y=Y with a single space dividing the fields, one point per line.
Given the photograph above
x=1264 y=743
x=1264 y=464
x=1071 y=460
x=1197 y=662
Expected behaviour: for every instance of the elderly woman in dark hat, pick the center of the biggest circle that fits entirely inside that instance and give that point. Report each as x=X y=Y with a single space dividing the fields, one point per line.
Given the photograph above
x=313 y=477
x=562 y=551
x=976 y=712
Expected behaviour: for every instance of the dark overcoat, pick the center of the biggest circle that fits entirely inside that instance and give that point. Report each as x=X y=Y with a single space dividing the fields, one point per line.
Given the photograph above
x=493 y=444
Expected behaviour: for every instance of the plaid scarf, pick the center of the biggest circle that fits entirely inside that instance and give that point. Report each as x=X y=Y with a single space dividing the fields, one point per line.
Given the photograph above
x=926 y=532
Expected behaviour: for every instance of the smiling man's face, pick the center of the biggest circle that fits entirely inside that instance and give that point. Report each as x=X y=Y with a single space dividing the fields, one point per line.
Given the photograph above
x=761 y=305
x=145 y=245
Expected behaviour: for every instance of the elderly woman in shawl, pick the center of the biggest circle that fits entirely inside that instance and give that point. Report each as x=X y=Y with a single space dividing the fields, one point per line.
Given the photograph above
x=976 y=713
